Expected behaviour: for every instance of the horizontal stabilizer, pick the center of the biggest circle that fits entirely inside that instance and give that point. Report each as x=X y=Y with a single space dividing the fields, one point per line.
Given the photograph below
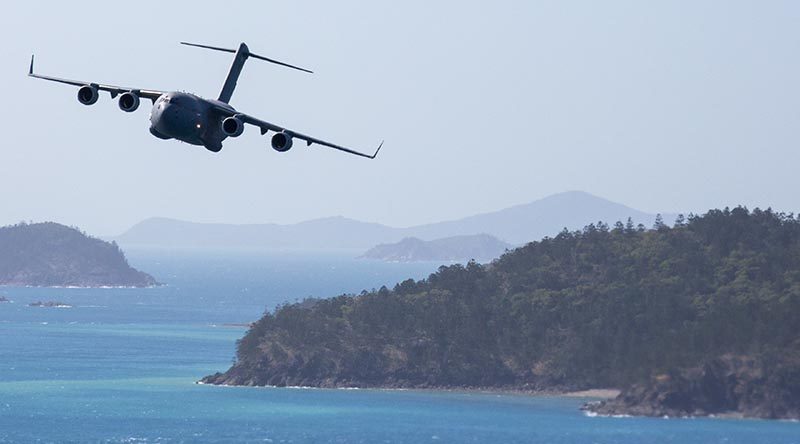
x=248 y=54
x=208 y=47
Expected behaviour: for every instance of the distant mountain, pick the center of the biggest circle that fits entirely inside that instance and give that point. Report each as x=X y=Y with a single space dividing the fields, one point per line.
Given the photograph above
x=53 y=255
x=319 y=234
x=516 y=225
x=481 y=247
x=525 y=223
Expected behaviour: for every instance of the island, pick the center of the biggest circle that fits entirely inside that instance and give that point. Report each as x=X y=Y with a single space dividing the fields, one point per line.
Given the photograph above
x=480 y=247
x=4 y=299
x=606 y=306
x=53 y=255
x=49 y=304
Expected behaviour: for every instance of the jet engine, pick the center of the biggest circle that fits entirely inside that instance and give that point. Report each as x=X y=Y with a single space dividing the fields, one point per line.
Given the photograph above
x=87 y=94
x=281 y=142
x=232 y=126
x=128 y=102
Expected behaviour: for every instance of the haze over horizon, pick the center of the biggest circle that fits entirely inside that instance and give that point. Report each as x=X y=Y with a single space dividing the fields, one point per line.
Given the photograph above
x=563 y=201
x=482 y=107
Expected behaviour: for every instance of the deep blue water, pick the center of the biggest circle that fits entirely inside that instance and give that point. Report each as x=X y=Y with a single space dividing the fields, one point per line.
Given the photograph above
x=120 y=366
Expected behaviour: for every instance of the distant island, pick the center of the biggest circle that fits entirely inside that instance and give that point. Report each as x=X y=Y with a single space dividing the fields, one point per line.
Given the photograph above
x=517 y=225
x=697 y=318
x=53 y=255
x=4 y=299
x=480 y=247
x=49 y=304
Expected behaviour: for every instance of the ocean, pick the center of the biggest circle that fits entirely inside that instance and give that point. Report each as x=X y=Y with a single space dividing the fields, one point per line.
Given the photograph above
x=120 y=366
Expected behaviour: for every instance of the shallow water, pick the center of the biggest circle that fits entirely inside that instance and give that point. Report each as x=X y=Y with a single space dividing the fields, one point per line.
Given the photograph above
x=121 y=366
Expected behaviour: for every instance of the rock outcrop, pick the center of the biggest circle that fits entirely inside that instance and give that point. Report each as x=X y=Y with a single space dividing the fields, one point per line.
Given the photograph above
x=729 y=385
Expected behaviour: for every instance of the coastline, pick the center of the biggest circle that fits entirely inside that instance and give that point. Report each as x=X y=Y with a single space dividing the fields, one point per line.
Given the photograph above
x=594 y=393
x=592 y=397
x=81 y=287
x=607 y=393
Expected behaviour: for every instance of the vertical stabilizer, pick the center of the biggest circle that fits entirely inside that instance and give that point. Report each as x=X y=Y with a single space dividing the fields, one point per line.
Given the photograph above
x=242 y=54
x=233 y=74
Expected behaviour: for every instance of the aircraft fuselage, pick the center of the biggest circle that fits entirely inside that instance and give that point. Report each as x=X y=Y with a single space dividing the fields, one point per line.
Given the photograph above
x=188 y=118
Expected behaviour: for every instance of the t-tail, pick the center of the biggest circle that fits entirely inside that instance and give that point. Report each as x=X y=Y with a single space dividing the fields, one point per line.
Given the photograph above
x=236 y=67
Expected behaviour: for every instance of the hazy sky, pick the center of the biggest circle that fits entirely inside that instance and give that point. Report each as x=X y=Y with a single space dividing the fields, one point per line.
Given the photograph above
x=671 y=106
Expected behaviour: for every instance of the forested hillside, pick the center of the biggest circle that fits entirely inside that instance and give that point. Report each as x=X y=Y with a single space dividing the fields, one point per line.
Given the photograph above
x=49 y=254
x=603 y=307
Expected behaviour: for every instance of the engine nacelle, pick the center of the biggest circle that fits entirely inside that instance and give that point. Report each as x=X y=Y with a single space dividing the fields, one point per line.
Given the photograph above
x=88 y=94
x=281 y=142
x=128 y=102
x=232 y=126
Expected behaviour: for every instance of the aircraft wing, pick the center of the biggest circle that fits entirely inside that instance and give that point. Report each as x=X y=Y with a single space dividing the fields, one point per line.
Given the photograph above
x=114 y=90
x=266 y=126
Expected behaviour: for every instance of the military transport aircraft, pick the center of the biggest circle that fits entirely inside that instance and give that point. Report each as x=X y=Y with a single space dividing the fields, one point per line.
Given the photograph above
x=193 y=119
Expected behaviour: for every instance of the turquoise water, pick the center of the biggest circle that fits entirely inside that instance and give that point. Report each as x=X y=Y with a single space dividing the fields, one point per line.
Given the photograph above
x=121 y=366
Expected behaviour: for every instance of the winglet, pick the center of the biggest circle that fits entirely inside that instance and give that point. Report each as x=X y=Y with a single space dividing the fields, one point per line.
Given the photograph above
x=377 y=151
x=30 y=71
x=310 y=141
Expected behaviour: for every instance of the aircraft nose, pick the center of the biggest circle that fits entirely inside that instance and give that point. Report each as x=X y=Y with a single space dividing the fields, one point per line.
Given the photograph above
x=177 y=120
x=165 y=116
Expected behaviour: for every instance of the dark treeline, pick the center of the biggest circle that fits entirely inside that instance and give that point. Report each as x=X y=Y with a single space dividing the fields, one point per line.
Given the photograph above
x=605 y=306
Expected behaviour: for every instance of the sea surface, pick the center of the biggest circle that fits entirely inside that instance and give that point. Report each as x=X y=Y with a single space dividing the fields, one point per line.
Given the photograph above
x=120 y=366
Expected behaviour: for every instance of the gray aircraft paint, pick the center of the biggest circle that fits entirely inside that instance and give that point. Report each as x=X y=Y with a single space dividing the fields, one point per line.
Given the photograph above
x=233 y=74
x=195 y=120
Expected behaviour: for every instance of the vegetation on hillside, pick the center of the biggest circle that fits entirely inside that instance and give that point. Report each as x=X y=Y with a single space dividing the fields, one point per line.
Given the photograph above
x=601 y=307
x=49 y=254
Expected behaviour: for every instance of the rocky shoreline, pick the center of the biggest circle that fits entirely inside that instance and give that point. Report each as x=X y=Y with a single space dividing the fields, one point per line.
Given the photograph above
x=243 y=378
x=219 y=379
x=248 y=376
x=729 y=386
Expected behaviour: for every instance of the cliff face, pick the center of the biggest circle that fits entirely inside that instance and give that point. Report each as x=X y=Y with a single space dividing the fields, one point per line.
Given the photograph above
x=603 y=307
x=742 y=385
x=50 y=254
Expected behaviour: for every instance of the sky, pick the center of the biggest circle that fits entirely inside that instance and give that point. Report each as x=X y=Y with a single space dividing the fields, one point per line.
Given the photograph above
x=665 y=106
